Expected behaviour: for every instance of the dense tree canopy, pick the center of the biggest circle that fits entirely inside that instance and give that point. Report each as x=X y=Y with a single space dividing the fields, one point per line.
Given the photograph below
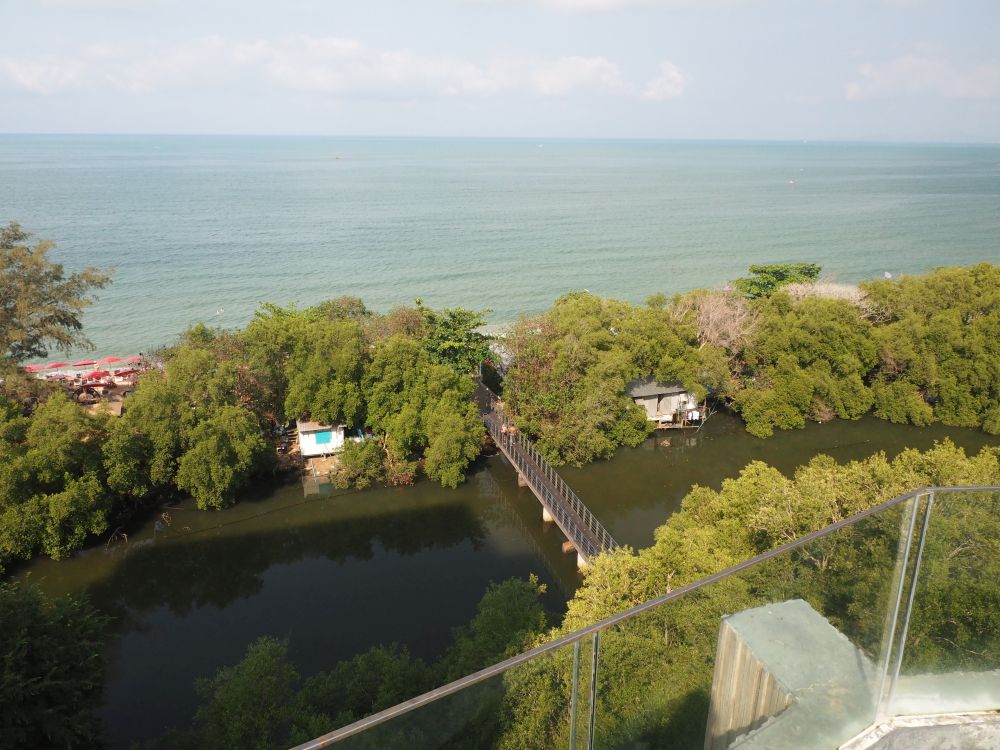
x=51 y=670
x=779 y=351
x=454 y=338
x=572 y=364
x=806 y=360
x=184 y=428
x=40 y=305
x=421 y=408
x=199 y=422
x=939 y=340
x=52 y=492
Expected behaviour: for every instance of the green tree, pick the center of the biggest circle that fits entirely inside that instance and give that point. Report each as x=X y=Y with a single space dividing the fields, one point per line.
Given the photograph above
x=186 y=428
x=247 y=706
x=508 y=617
x=261 y=703
x=454 y=437
x=415 y=406
x=806 y=360
x=324 y=373
x=224 y=452
x=51 y=670
x=765 y=280
x=262 y=352
x=939 y=341
x=40 y=305
x=52 y=489
x=367 y=683
x=145 y=444
x=361 y=465
x=454 y=339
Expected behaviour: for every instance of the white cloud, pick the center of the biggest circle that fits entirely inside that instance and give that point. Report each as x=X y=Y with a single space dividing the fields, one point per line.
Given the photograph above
x=332 y=66
x=46 y=75
x=911 y=75
x=568 y=74
x=669 y=84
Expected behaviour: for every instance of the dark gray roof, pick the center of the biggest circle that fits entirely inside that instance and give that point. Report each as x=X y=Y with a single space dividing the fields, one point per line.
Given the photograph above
x=306 y=426
x=652 y=387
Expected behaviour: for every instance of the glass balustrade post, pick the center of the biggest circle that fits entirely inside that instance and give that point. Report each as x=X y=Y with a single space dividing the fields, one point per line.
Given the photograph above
x=907 y=525
x=574 y=705
x=593 y=690
x=911 y=594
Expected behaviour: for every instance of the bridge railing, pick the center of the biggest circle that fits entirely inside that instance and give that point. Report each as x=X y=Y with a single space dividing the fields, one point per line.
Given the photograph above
x=533 y=466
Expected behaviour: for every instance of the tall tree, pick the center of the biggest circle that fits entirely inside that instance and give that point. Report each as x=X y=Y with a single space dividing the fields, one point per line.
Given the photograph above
x=765 y=280
x=40 y=306
x=454 y=337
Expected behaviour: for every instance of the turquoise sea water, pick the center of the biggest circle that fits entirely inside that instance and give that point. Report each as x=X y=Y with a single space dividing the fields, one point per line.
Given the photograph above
x=206 y=228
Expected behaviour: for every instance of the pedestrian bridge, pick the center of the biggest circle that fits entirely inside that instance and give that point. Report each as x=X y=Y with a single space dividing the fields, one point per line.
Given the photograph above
x=559 y=503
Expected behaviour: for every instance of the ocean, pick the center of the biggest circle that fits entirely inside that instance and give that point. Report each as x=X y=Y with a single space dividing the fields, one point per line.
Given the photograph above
x=207 y=228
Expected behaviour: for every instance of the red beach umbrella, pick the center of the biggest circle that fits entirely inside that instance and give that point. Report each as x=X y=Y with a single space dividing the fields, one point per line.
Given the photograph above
x=129 y=371
x=85 y=363
x=33 y=368
x=108 y=360
x=133 y=359
x=96 y=374
x=56 y=365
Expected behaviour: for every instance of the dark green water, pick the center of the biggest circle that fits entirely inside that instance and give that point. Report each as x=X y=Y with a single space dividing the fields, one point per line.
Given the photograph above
x=340 y=573
x=639 y=489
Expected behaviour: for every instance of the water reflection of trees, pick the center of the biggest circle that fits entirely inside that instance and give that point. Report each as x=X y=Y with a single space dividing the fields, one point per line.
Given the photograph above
x=509 y=512
x=186 y=572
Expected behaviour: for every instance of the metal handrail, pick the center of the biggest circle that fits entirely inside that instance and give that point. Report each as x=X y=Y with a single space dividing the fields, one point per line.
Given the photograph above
x=576 y=636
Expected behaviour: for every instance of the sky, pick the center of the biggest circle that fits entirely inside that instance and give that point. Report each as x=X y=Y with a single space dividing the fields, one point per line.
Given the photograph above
x=886 y=70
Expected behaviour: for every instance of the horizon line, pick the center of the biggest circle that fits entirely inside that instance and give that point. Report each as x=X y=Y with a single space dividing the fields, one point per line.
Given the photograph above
x=538 y=138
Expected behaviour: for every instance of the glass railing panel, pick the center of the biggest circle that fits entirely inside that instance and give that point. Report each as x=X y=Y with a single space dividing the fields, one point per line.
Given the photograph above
x=951 y=652
x=786 y=653
x=545 y=699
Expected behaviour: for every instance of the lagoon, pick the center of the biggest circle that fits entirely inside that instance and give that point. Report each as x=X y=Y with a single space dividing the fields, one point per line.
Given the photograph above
x=336 y=574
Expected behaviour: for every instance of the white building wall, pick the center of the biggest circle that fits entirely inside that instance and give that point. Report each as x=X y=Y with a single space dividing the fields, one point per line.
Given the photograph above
x=309 y=447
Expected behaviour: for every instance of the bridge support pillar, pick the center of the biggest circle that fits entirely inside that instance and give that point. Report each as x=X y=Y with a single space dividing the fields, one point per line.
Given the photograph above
x=546 y=516
x=521 y=481
x=581 y=563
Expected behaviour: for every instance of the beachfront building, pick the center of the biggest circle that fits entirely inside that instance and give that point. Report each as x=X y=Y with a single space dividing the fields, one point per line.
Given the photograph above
x=670 y=405
x=317 y=439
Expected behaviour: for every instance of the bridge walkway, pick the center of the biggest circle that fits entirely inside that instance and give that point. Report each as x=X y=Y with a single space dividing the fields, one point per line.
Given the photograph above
x=559 y=503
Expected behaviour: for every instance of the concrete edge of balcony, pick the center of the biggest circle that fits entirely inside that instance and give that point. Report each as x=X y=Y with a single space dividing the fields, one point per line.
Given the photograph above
x=972 y=731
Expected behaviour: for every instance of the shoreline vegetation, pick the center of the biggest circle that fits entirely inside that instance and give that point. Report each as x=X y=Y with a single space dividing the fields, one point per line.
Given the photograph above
x=778 y=347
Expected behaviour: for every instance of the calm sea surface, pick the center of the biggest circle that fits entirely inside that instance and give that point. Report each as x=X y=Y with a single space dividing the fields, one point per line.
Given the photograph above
x=206 y=228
